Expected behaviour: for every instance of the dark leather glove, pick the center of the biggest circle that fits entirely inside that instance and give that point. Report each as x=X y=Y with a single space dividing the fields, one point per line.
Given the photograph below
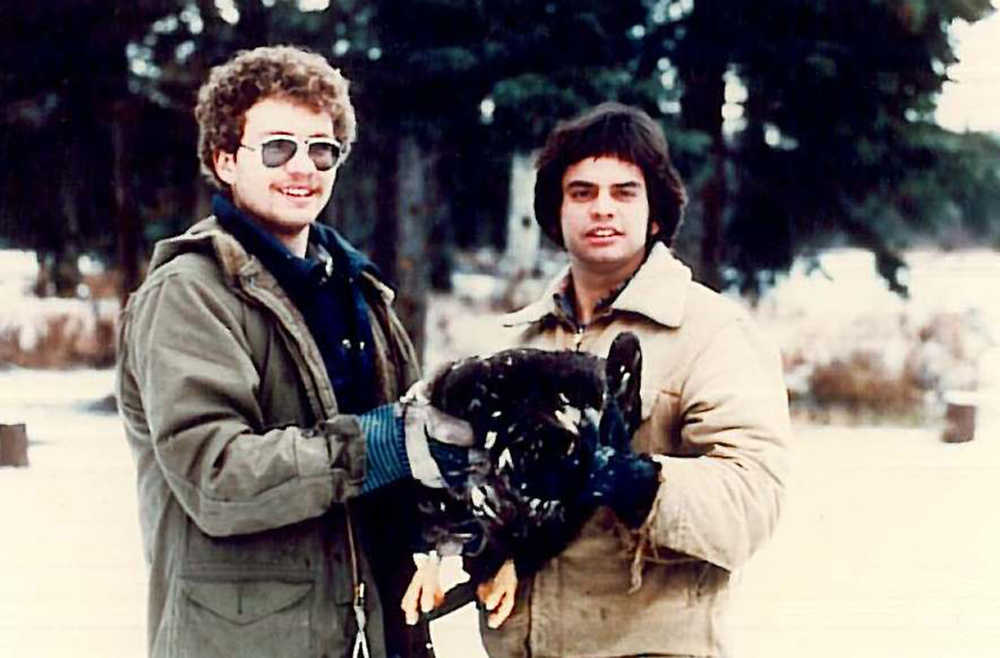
x=618 y=477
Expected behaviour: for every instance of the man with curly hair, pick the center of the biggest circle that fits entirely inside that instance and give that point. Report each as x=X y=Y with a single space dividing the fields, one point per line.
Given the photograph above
x=258 y=375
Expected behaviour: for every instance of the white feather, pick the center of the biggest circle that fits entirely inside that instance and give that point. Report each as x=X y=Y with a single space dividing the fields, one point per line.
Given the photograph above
x=569 y=417
x=505 y=461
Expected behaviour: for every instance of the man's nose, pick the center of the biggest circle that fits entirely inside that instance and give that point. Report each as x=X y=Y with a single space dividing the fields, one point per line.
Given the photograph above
x=603 y=204
x=300 y=162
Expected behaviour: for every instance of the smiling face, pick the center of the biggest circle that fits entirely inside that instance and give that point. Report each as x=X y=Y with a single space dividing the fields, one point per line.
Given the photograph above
x=286 y=199
x=604 y=216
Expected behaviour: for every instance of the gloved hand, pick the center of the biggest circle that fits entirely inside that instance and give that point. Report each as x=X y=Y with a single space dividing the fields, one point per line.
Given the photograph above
x=412 y=438
x=437 y=444
x=616 y=476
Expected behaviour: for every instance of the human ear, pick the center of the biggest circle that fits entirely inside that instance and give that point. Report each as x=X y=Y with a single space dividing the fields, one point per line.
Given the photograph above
x=654 y=227
x=225 y=166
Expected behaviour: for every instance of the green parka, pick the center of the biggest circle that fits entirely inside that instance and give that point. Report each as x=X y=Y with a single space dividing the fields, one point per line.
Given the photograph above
x=245 y=467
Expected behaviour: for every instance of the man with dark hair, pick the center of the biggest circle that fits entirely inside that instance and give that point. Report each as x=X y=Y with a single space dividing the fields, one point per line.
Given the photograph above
x=627 y=134
x=700 y=488
x=257 y=376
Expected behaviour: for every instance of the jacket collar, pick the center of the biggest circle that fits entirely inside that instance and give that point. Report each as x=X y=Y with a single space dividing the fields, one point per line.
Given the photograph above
x=238 y=263
x=295 y=272
x=207 y=234
x=327 y=254
x=658 y=291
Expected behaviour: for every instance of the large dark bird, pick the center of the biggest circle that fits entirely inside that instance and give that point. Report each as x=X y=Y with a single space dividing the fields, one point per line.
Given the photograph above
x=537 y=417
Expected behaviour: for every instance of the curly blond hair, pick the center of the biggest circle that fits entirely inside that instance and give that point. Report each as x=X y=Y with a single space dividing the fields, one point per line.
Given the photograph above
x=287 y=72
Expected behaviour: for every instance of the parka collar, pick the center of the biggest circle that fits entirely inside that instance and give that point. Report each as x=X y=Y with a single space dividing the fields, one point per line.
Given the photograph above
x=327 y=253
x=236 y=263
x=296 y=272
x=658 y=291
x=206 y=234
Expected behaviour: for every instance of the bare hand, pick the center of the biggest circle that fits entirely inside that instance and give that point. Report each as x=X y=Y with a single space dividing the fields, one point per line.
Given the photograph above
x=424 y=592
x=431 y=581
x=497 y=594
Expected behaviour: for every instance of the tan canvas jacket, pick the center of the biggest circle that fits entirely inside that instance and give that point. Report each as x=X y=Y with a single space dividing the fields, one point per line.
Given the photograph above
x=244 y=464
x=715 y=415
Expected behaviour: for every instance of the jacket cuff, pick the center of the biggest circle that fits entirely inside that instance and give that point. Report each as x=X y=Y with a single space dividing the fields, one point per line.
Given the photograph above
x=345 y=454
x=644 y=545
x=386 y=454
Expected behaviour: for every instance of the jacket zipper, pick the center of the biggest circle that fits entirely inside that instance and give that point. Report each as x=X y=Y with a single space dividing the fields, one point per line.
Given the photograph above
x=578 y=337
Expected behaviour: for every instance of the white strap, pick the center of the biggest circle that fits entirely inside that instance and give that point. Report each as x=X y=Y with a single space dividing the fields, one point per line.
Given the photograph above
x=360 y=640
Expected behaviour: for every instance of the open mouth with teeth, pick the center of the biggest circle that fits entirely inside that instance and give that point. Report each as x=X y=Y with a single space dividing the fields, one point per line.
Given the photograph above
x=296 y=192
x=603 y=232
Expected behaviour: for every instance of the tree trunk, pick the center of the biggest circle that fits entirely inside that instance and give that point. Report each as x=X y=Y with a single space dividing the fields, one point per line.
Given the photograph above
x=713 y=199
x=704 y=95
x=960 y=417
x=403 y=229
x=13 y=445
x=126 y=209
x=523 y=233
x=702 y=57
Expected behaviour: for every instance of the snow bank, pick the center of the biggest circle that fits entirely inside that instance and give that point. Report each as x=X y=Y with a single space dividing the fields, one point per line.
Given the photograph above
x=52 y=331
x=848 y=341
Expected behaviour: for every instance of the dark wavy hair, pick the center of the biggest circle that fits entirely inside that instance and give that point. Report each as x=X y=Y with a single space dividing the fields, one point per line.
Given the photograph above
x=620 y=131
x=287 y=72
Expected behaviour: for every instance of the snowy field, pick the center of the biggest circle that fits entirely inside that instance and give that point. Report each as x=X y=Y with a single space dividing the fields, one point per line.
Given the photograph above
x=888 y=546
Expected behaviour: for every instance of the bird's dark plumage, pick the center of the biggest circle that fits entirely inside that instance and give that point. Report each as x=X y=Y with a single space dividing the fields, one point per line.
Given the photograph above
x=536 y=415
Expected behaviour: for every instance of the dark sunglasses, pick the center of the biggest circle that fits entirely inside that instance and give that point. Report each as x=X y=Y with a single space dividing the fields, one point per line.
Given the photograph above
x=325 y=152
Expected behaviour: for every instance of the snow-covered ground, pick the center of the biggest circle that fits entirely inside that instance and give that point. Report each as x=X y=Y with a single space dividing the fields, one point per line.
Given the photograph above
x=71 y=573
x=887 y=547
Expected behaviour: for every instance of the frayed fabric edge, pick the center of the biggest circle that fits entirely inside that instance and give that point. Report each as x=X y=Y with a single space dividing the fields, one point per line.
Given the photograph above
x=641 y=541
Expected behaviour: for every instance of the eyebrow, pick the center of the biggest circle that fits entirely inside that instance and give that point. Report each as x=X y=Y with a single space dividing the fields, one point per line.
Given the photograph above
x=616 y=186
x=627 y=185
x=286 y=133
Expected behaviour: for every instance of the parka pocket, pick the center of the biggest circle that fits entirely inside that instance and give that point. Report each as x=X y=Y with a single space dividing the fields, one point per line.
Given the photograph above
x=245 y=618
